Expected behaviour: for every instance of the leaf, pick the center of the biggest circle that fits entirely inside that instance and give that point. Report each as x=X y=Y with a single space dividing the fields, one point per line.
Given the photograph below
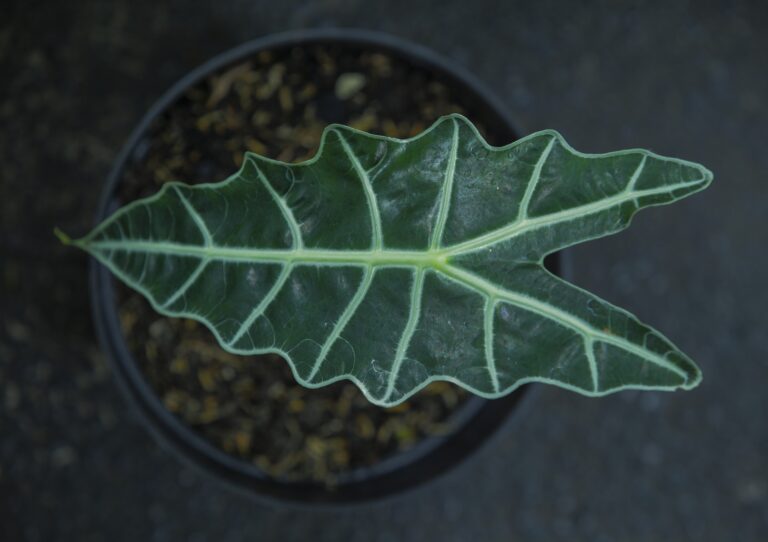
x=393 y=263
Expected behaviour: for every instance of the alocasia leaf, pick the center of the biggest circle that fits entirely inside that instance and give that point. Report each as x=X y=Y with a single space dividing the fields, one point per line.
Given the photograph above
x=397 y=262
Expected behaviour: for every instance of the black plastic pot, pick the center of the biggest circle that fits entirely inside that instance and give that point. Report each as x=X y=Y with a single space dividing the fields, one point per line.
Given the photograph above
x=474 y=422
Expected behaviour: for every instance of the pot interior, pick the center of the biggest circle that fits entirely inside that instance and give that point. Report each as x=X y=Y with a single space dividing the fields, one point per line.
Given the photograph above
x=248 y=411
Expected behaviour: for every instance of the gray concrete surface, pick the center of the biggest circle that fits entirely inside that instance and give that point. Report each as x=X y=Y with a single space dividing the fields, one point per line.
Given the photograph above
x=682 y=78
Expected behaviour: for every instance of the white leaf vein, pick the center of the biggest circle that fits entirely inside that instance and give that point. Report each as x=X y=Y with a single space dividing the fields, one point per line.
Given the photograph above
x=447 y=190
x=285 y=210
x=533 y=182
x=377 y=241
x=417 y=290
x=259 y=309
x=201 y=225
x=349 y=311
x=490 y=307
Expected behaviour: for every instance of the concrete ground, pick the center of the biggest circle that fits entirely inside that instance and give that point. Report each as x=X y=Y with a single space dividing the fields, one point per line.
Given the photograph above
x=687 y=79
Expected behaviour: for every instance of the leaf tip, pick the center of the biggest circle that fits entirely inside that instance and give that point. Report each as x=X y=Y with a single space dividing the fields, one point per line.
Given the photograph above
x=693 y=380
x=65 y=239
x=703 y=176
x=707 y=176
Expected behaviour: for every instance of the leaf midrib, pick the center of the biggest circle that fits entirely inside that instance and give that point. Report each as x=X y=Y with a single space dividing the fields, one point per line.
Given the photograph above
x=417 y=258
x=409 y=258
x=525 y=225
x=493 y=292
x=436 y=260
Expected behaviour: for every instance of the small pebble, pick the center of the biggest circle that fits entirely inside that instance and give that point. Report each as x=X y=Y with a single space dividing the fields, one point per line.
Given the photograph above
x=349 y=84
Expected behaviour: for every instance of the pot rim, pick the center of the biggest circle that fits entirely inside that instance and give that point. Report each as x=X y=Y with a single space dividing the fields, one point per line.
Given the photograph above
x=486 y=416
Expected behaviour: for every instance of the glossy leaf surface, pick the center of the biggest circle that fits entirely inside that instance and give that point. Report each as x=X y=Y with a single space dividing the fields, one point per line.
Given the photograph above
x=397 y=262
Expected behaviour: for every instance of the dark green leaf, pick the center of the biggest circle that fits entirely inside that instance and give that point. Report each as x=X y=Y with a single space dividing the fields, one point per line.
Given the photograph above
x=397 y=262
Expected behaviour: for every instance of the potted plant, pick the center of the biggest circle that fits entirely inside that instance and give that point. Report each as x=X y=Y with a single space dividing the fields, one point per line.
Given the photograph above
x=405 y=251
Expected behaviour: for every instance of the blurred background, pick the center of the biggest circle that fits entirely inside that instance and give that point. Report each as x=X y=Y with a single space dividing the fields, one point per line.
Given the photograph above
x=686 y=79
